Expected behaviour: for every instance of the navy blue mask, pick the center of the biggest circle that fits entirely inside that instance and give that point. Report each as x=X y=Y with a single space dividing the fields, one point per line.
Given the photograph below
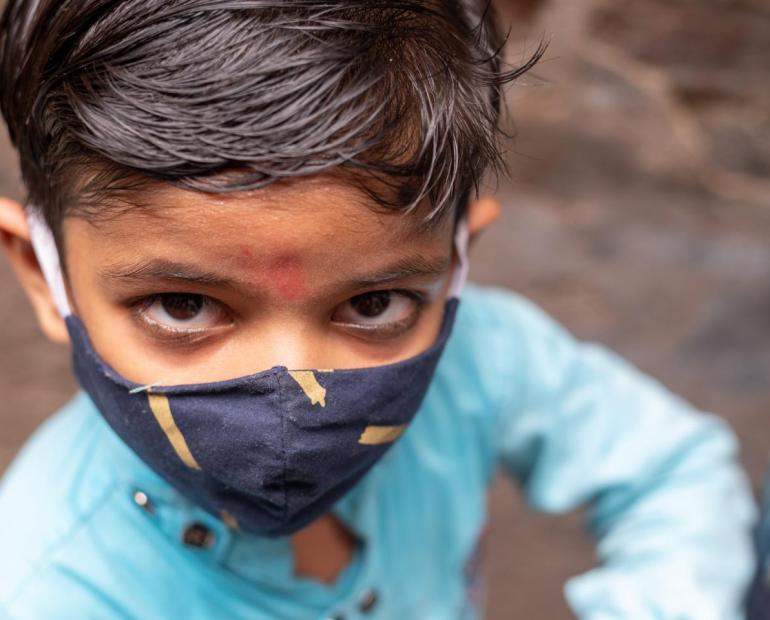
x=269 y=452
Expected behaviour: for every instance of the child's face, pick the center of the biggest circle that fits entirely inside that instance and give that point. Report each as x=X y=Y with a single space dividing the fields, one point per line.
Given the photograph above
x=206 y=288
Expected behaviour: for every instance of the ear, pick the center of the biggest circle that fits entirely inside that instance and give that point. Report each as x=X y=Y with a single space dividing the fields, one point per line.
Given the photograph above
x=481 y=213
x=14 y=237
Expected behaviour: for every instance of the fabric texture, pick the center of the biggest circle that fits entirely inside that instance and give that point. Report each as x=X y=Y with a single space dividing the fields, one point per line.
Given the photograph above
x=271 y=451
x=89 y=531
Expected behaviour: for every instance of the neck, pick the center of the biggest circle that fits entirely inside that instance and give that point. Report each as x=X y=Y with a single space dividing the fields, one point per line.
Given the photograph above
x=323 y=550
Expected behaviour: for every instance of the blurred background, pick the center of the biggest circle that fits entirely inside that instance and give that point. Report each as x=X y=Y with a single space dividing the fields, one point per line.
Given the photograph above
x=637 y=213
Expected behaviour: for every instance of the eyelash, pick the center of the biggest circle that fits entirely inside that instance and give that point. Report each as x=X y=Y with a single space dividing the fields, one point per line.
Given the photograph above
x=170 y=335
x=394 y=329
x=189 y=337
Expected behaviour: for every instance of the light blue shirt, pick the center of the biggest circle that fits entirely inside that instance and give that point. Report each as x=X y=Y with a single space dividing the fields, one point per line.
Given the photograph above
x=88 y=531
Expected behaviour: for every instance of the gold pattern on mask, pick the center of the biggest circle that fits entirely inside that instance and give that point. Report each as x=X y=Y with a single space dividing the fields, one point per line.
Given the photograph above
x=309 y=384
x=161 y=409
x=376 y=435
x=229 y=520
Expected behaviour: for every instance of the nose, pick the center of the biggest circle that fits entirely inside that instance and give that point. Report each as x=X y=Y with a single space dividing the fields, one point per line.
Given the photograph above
x=290 y=343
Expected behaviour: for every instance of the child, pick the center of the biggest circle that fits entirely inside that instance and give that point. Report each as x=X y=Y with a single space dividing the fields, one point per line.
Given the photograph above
x=249 y=219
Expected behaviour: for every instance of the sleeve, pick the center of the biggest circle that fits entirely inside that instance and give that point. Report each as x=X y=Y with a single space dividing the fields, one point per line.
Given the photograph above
x=668 y=504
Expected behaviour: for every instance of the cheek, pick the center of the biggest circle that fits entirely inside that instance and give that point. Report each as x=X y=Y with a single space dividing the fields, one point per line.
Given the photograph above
x=431 y=325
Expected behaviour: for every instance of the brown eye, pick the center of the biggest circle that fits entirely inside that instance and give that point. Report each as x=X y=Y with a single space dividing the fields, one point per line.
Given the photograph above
x=386 y=313
x=182 y=307
x=371 y=305
x=183 y=311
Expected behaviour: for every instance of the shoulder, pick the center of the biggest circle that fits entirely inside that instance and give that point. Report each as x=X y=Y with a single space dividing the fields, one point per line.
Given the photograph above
x=502 y=319
x=498 y=335
x=498 y=307
x=47 y=495
x=485 y=372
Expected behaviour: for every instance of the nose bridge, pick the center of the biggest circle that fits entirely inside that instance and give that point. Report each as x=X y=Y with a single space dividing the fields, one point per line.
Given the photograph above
x=293 y=343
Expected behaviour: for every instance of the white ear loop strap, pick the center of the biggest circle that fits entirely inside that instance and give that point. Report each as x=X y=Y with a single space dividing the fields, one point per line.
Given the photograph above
x=48 y=257
x=460 y=274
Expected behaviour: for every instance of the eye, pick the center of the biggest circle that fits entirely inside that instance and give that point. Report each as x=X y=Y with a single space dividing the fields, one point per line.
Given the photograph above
x=179 y=312
x=381 y=313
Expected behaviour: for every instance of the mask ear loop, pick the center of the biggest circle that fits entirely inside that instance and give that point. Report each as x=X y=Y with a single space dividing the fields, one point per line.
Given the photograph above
x=48 y=258
x=460 y=274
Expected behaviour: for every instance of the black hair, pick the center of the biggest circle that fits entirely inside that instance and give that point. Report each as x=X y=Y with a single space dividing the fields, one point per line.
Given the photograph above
x=103 y=97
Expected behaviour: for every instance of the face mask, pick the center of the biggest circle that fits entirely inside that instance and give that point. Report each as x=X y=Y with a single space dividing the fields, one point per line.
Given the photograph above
x=269 y=452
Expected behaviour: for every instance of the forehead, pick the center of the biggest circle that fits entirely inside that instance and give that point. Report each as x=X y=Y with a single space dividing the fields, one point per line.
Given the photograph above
x=320 y=226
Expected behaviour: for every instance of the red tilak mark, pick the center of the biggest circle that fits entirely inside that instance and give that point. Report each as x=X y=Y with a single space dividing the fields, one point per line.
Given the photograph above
x=283 y=273
x=288 y=277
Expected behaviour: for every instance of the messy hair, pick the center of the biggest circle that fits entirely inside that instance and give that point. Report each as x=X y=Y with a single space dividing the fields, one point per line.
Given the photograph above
x=106 y=97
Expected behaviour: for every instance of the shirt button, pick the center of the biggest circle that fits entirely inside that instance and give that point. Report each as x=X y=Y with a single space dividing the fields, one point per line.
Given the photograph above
x=141 y=500
x=368 y=602
x=198 y=535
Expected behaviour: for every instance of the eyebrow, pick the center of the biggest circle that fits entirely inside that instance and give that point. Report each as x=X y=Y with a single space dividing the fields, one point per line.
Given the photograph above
x=161 y=269
x=409 y=267
x=153 y=270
